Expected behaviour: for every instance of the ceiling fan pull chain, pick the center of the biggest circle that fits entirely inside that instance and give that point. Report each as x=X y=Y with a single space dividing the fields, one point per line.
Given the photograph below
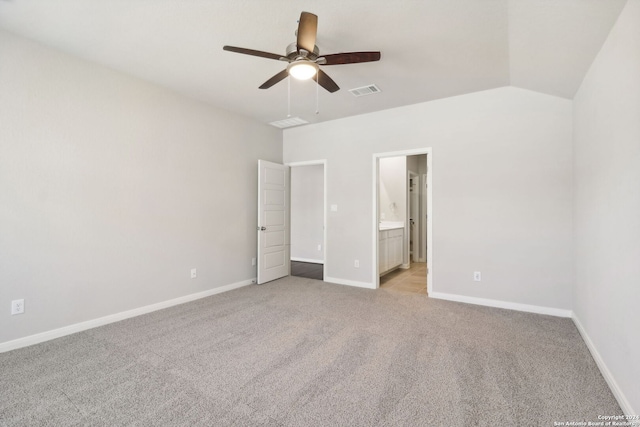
x=317 y=96
x=289 y=96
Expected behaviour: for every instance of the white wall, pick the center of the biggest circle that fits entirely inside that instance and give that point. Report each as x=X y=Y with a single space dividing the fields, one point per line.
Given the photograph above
x=112 y=189
x=307 y=213
x=607 y=205
x=393 y=189
x=502 y=194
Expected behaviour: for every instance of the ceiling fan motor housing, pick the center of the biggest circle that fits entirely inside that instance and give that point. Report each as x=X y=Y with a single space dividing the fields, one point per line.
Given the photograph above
x=292 y=52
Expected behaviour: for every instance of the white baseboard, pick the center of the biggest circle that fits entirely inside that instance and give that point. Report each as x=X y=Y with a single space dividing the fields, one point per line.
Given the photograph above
x=349 y=282
x=313 y=261
x=502 y=304
x=89 y=324
x=606 y=373
x=406 y=266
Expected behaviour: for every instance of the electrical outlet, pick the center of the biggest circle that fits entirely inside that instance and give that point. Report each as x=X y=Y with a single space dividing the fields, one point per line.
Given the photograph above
x=356 y=263
x=477 y=276
x=253 y=261
x=319 y=247
x=194 y=273
x=17 y=306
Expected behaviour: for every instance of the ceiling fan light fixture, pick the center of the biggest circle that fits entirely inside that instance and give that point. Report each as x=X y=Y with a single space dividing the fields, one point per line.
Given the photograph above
x=302 y=70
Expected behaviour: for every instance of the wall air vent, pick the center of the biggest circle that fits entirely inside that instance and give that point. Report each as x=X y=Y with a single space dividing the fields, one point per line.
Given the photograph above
x=365 y=90
x=288 y=123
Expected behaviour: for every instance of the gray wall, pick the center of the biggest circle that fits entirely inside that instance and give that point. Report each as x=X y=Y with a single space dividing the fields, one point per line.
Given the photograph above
x=112 y=189
x=501 y=191
x=307 y=213
x=607 y=205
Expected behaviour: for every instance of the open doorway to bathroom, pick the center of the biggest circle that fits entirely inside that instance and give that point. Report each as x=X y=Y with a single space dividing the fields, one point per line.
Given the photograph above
x=402 y=205
x=308 y=220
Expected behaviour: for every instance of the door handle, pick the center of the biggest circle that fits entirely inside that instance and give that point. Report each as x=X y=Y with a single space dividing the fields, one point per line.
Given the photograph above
x=262 y=228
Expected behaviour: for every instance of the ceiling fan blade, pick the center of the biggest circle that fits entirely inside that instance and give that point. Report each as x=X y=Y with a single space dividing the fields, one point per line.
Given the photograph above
x=307 y=30
x=351 y=58
x=275 y=79
x=253 y=52
x=326 y=82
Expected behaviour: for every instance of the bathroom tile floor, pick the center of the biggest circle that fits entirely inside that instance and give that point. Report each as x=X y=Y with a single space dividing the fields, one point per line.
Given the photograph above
x=412 y=280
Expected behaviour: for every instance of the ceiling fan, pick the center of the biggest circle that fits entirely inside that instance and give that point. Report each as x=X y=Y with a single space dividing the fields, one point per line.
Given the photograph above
x=304 y=57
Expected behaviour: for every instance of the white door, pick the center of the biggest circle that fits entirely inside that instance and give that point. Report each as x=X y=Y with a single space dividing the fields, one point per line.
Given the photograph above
x=414 y=223
x=273 y=221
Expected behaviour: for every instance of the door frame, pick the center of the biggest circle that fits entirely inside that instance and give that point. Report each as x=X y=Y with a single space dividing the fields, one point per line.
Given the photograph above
x=375 y=221
x=322 y=162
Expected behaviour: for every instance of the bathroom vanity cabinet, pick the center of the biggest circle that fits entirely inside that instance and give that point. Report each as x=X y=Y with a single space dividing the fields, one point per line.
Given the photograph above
x=390 y=249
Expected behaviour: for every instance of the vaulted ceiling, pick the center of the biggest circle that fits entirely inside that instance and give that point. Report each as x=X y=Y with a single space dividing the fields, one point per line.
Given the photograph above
x=430 y=48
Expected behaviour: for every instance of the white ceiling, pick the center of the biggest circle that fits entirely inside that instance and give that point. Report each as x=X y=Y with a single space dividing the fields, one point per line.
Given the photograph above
x=430 y=48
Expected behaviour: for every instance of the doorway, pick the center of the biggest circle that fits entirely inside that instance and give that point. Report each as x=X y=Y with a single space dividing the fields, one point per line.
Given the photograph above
x=308 y=208
x=396 y=208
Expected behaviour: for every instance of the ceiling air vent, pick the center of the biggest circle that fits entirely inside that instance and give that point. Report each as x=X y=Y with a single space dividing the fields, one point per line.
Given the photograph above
x=288 y=123
x=365 y=90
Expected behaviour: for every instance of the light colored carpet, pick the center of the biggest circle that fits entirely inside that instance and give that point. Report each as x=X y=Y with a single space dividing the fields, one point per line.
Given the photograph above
x=299 y=352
